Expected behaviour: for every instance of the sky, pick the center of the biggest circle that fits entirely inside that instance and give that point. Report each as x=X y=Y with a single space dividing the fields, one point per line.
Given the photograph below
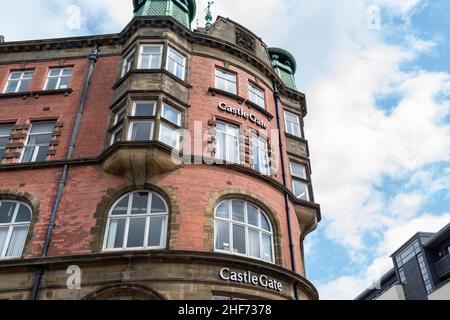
x=377 y=79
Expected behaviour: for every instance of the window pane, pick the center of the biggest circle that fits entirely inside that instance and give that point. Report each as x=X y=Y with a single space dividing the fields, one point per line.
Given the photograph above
x=140 y=203
x=2 y=153
x=42 y=127
x=171 y=114
x=222 y=210
x=301 y=190
x=237 y=209
x=298 y=170
x=54 y=72
x=222 y=235
x=136 y=233
x=28 y=154
x=116 y=233
x=24 y=85
x=239 y=239
x=18 y=238
x=267 y=247
x=169 y=136
x=64 y=83
x=5 y=129
x=3 y=235
x=51 y=84
x=253 y=242
x=144 y=109
x=158 y=205
x=24 y=214
x=4 y=142
x=141 y=131
x=39 y=139
x=7 y=211
x=15 y=75
x=253 y=214
x=121 y=207
x=67 y=72
x=11 y=86
x=151 y=49
x=265 y=225
x=42 y=153
x=156 y=231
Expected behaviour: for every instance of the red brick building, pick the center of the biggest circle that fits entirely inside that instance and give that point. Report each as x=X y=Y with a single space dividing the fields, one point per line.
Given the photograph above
x=157 y=163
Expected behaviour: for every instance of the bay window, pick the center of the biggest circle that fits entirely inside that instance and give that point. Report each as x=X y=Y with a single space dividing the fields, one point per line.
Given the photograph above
x=170 y=124
x=128 y=63
x=292 y=124
x=142 y=121
x=176 y=63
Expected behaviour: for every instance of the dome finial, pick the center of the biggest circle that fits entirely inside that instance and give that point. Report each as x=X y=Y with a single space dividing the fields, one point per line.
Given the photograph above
x=209 y=16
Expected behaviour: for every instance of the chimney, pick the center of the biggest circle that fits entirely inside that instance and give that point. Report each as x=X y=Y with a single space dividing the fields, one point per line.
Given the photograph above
x=2 y=39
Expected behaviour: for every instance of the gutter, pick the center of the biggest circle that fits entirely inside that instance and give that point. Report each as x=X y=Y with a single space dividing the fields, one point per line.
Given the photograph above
x=93 y=58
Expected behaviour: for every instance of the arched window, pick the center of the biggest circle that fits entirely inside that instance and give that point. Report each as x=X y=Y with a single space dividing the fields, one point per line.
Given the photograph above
x=138 y=220
x=242 y=228
x=15 y=219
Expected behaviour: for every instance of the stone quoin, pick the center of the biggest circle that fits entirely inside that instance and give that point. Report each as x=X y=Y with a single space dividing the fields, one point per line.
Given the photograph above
x=88 y=126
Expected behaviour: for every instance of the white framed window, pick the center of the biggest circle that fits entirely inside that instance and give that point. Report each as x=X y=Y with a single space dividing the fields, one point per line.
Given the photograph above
x=176 y=63
x=5 y=133
x=142 y=130
x=58 y=78
x=292 y=123
x=169 y=132
x=117 y=135
x=128 y=63
x=242 y=228
x=38 y=141
x=226 y=81
x=137 y=220
x=18 y=81
x=15 y=219
x=256 y=95
x=300 y=185
x=260 y=154
x=119 y=116
x=227 y=142
x=150 y=56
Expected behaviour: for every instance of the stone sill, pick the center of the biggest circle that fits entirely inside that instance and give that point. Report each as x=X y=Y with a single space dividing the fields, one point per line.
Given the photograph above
x=36 y=94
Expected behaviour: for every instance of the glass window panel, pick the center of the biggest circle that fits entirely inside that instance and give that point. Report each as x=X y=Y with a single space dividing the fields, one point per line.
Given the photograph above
x=136 y=233
x=2 y=153
x=54 y=72
x=301 y=190
x=28 y=154
x=5 y=129
x=151 y=49
x=42 y=153
x=51 y=84
x=39 y=139
x=7 y=211
x=144 y=109
x=24 y=85
x=171 y=114
x=67 y=72
x=158 y=205
x=222 y=235
x=237 y=209
x=239 y=239
x=4 y=142
x=11 y=86
x=265 y=223
x=24 y=214
x=15 y=75
x=222 y=210
x=17 y=242
x=139 y=203
x=141 y=131
x=121 y=207
x=298 y=170
x=267 y=248
x=116 y=233
x=169 y=136
x=3 y=235
x=253 y=214
x=64 y=83
x=42 y=127
x=253 y=243
x=156 y=231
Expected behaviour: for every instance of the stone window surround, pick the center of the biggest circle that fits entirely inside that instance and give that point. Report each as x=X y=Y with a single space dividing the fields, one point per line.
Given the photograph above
x=127 y=105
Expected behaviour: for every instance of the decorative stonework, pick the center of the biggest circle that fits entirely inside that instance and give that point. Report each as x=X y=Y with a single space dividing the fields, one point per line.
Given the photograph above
x=245 y=40
x=124 y=291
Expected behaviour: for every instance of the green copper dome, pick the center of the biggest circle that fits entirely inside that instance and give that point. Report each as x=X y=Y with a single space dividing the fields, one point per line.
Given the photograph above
x=285 y=65
x=182 y=10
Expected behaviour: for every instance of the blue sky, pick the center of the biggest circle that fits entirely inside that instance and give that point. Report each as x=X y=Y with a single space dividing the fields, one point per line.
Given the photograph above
x=378 y=122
